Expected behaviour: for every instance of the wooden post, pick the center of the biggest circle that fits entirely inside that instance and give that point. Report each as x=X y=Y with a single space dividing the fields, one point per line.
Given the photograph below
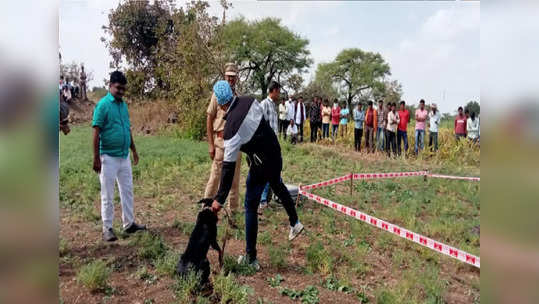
x=351 y=183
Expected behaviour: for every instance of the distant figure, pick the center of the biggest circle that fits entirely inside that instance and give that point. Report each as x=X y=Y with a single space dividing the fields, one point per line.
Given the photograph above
x=402 y=135
x=434 y=121
x=112 y=141
x=82 y=83
x=386 y=142
x=380 y=131
x=290 y=117
x=460 y=125
x=283 y=121
x=64 y=117
x=344 y=120
x=420 y=121
x=371 y=124
x=393 y=120
x=326 y=118
x=315 y=117
x=299 y=116
x=335 y=118
x=359 y=118
x=472 y=127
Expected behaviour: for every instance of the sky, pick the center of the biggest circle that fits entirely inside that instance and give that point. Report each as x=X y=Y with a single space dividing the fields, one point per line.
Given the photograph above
x=432 y=47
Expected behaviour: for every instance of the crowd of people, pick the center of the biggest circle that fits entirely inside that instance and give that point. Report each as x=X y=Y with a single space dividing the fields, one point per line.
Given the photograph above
x=384 y=127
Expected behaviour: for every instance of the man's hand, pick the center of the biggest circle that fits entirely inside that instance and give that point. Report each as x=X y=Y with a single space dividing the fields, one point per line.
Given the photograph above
x=135 y=158
x=211 y=150
x=97 y=164
x=215 y=207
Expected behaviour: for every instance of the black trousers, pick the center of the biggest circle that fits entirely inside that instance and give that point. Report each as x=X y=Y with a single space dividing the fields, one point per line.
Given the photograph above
x=300 y=131
x=358 y=134
x=391 y=142
x=314 y=130
x=257 y=178
x=283 y=124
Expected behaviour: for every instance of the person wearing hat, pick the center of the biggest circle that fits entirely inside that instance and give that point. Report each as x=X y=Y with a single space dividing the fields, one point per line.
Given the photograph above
x=215 y=125
x=434 y=121
x=247 y=130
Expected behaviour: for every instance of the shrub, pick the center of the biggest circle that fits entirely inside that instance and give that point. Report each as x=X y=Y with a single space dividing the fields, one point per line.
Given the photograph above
x=277 y=257
x=166 y=264
x=227 y=290
x=318 y=259
x=149 y=246
x=230 y=265
x=94 y=275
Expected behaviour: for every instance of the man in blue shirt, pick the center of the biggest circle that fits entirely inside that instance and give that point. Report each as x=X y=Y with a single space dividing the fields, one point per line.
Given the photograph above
x=112 y=141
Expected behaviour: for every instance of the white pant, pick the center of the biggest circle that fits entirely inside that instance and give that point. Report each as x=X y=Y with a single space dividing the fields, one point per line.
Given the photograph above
x=116 y=169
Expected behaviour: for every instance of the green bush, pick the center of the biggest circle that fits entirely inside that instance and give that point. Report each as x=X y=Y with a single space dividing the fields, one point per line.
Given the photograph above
x=166 y=264
x=187 y=287
x=230 y=265
x=277 y=257
x=94 y=275
x=150 y=247
x=318 y=259
x=227 y=290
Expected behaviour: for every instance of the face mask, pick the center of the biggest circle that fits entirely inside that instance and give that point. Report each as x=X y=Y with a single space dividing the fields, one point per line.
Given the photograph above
x=334 y=105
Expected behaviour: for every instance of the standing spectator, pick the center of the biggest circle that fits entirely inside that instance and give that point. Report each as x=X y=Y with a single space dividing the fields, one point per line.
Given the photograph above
x=359 y=119
x=111 y=142
x=326 y=118
x=472 y=127
x=460 y=125
x=215 y=125
x=335 y=118
x=283 y=121
x=382 y=118
x=315 y=116
x=393 y=120
x=299 y=116
x=344 y=120
x=270 y=115
x=386 y=118
x=402 y=135
x=371 y=123
x=420 y=120
x=434 y=121
x=291 y=121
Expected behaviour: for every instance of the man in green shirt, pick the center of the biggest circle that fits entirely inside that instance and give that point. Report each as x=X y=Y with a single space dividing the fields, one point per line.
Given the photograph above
x=112 y=141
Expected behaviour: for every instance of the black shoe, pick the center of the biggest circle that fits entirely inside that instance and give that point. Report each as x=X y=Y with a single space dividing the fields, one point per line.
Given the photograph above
x=134 y=227
x=109 y=236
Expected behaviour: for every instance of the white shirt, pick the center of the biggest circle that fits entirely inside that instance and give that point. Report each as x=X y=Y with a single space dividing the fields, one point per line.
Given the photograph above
x=472 y=127
x=283 y=111
x=298 y=113
x=270 y=115
x=290 y=107
x=434 y=120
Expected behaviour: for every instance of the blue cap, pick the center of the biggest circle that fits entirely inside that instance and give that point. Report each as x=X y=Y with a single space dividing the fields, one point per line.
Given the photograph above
x=223 y=92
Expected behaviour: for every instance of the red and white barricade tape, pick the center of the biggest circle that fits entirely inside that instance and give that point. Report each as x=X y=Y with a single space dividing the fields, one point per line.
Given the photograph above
x=403 y=233
x=475 y=179
x=328 y=182
x=388 y=175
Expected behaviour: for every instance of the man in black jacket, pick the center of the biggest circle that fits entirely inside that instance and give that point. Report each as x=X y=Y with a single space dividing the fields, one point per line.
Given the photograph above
x=247 y=131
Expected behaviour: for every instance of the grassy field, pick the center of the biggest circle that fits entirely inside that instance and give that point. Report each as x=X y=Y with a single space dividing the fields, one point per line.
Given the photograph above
x=337 y=259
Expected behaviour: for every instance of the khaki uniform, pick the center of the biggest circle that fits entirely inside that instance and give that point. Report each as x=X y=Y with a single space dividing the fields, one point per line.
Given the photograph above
x=215 y=112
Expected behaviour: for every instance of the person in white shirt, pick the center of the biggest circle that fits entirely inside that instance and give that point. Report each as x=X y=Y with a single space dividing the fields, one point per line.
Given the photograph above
x=299 y=117
x=434 y=121
x=393 y=120
x=472 y=126
x=283 y=118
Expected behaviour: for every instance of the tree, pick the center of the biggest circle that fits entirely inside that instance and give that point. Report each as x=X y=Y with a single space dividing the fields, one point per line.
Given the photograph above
x=293 y=84
x=473 y=106
x=265 y=50
x=356 y=74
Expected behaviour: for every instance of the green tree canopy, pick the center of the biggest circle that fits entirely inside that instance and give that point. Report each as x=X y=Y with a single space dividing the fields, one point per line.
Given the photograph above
x=357 y=75
x=473 y=106
x=265 y=50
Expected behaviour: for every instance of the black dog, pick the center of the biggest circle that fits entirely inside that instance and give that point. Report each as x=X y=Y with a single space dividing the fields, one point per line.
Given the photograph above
x=203 y=236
